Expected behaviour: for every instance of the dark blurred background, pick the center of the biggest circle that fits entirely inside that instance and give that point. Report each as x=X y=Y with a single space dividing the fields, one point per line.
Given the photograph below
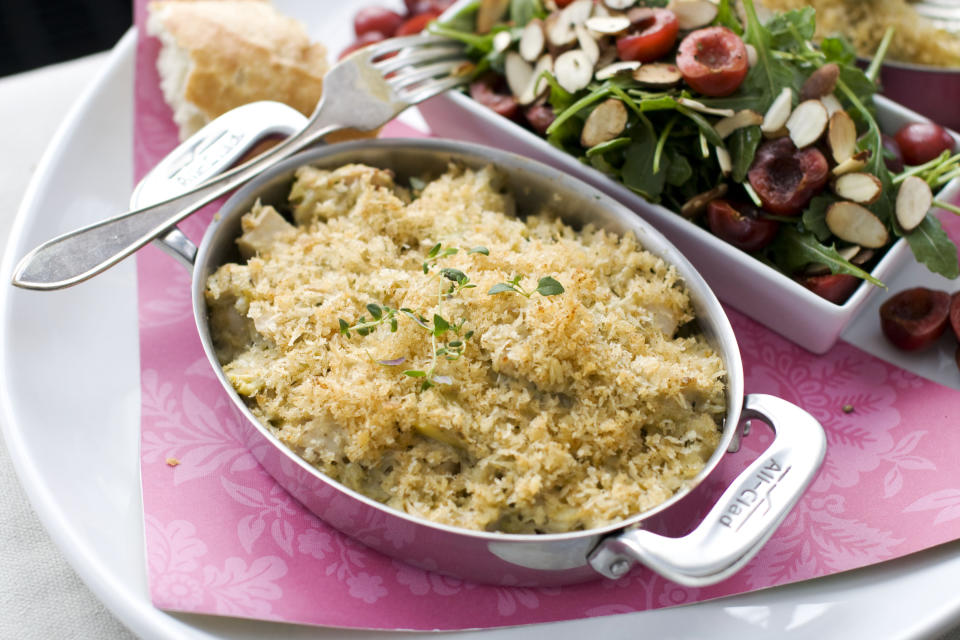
x=34 y=33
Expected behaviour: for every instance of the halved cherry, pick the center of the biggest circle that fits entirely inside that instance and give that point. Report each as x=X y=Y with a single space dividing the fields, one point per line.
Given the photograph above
x=540 y=117
x=417 y=23
x=892 y=157
x=713 y=61
x=786 y=178
x=915 y=318
x=741 y=225
x=835 y=287
x=378 y=19
x=922 y=141
x=652 y=35
x=491 y=91
x=416 y=7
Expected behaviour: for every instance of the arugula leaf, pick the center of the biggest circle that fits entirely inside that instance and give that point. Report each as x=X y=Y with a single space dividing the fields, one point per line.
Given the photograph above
x=727 y=18
x=609 y=145
x=784 y=28
x=678 y=168
x=742 y=145
x=523 y=11
x=815 y=216
x=838 y=50
x=792 y=250
x=637 y=171
x=769 y=75
x=933 y=248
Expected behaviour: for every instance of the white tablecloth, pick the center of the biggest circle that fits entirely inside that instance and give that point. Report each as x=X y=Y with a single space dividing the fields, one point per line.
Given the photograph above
x=40 y=595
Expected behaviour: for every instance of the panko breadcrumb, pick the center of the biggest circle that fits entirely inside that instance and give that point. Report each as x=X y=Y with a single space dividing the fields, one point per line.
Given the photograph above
x=564 y=412
x=863 y=22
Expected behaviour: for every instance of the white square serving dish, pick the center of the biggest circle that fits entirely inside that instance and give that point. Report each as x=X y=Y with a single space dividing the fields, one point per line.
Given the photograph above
x=738 y=279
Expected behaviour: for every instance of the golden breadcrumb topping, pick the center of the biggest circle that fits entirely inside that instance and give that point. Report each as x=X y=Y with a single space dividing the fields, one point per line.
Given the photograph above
x=556 y=412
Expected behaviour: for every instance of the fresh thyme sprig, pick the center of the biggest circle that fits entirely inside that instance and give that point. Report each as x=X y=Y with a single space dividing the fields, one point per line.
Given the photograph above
x=447 y=340
x=546 y=286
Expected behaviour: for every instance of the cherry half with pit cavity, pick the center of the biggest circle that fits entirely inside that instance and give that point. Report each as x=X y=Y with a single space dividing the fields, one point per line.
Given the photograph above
x=915 y=318
x=651 y=36
x=713 y=61
x=786 y=178
x=741 y=225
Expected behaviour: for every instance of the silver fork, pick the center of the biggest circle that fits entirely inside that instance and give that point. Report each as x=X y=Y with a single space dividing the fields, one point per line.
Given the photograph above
x=364 y=91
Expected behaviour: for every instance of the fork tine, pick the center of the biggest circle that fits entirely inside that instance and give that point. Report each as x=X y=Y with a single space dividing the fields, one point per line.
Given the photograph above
x=416 y=56
x=405 y=80
x=421 y=92
x=393 y=45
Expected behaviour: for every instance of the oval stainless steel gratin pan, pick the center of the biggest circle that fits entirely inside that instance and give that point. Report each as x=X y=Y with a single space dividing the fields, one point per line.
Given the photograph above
x=741 y=521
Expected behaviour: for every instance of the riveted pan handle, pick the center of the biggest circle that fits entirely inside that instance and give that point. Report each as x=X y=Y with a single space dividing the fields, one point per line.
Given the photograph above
x=744 y=517
x=207 y=153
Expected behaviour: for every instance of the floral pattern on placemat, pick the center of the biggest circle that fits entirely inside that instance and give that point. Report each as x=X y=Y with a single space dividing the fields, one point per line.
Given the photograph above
x=223 y=538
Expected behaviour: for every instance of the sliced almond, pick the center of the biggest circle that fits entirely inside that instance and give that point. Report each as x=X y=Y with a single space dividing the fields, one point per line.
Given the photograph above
x=779 y=133
x=617 y=67
x=807 y=123
x=619 y=5
x=725 y=161
x=739 y=120
x=864 y=188
x=502 y=41
x=831 y=103
x=608 y=25
x=854 y=163
x=842 y=136
x=532 y=40
x=821 y=82
x=776 y=116
x=698 y=203
x=587 y=44
x=914 y=200
x=537 y=85
x=848 y=253
x=855 y=223
x=604 y=123
x=658 y=74
x=490 y=13
x=862 y=257
x=559 y=31
x=608 y=56
x=693 y=14
x=518 y=72
x=573 y=70
x=600 y=10
x=578 y=11
x=702 y=108
x=751 y=54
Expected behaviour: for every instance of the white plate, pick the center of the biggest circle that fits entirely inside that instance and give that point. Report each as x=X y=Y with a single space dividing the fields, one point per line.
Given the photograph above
x=69 y=393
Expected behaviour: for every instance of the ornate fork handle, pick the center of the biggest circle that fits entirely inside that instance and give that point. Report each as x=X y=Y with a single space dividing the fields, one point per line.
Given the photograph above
x=83 y=253
x=364 y=91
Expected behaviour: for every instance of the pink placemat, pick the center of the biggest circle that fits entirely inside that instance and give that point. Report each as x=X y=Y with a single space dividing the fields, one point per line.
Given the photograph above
x=223 y=538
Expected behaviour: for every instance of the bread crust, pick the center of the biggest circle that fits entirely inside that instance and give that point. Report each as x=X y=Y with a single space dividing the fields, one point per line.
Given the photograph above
x=240 y=51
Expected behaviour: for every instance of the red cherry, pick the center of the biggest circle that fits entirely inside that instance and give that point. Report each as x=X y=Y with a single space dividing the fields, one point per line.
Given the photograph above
x=922 y=141
x=713 y=61
x=915 y=318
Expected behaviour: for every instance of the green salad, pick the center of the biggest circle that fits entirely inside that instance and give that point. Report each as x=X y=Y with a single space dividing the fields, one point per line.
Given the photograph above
x=744 y=127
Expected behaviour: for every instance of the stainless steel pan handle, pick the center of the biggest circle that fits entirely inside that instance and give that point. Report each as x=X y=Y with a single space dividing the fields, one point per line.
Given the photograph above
x=744 y=517
x=207 y=153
